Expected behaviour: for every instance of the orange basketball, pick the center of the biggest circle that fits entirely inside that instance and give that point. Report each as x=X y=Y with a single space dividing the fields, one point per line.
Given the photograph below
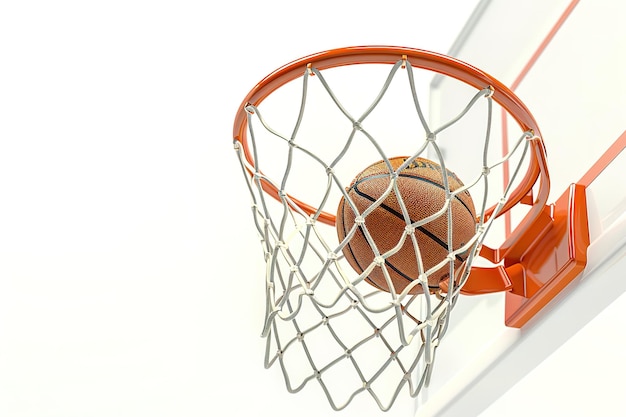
x=421 y=187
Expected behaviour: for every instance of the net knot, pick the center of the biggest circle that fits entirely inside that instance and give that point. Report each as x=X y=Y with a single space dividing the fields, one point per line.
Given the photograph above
x=359 y=220
x=431 y=137
x=357 y=125
x=486 y=170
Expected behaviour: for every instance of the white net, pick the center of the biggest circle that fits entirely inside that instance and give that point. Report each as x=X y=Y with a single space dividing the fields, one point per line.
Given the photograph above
x=324 y=322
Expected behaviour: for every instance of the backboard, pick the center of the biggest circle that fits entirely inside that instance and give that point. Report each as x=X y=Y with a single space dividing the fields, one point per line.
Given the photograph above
x=561 y=59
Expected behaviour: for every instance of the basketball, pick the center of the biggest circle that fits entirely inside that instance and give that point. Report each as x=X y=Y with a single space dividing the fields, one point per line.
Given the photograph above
x=421 y=187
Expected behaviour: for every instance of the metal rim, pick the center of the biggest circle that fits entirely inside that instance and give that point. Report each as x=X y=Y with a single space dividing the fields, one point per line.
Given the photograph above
x=439 y=63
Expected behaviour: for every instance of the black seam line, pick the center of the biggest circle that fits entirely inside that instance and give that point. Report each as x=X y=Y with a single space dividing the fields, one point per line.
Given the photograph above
x=403 y=275
x=400 y=216
x=389 y=264
x=345 y=232
x=415 y=177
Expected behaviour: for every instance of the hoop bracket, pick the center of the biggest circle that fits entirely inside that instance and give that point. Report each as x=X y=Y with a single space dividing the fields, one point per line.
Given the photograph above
x=547 y=257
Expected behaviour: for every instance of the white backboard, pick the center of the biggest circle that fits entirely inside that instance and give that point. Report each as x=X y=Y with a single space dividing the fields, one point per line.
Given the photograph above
x=561 y=58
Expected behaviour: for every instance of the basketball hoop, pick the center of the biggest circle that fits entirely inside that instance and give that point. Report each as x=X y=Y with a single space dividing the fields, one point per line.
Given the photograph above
x=327 y=309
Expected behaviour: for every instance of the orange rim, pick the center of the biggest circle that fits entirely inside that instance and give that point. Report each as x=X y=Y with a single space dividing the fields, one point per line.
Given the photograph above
x=421 y=59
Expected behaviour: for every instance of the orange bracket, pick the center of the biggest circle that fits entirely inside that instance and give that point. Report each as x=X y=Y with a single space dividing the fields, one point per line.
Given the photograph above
x=550 y=254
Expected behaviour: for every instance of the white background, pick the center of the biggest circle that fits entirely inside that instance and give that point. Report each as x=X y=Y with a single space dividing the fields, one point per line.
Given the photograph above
x=130 y=281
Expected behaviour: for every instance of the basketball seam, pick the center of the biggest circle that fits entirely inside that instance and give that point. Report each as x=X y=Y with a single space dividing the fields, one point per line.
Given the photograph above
x=387 y=262
x=436 y=184
x=405 y=276
x=399 y=215
x=354 y=257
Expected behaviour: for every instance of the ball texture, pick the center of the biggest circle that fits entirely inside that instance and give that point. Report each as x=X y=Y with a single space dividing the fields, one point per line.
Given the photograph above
x=421 y=187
